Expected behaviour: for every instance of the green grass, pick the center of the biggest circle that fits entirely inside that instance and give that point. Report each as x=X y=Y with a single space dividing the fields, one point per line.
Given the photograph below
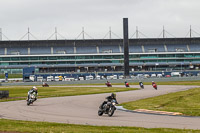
x=2 y=76
x=186 y=102
x=17 y=93
x=47 y=127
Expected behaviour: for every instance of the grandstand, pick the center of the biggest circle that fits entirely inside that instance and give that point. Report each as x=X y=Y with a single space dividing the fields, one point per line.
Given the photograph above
x=99 y=55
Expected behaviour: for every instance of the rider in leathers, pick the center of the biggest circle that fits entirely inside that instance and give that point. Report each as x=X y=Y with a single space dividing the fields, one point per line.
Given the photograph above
x=31 y=91
x=109 y=99
x=140 y=83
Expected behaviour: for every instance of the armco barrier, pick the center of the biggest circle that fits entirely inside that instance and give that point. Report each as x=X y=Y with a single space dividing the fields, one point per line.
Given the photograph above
x=4 y=94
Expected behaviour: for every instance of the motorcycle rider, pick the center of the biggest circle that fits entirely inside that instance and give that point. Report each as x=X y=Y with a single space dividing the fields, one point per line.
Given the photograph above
x=31 y=91
x=153 y=83
x=108 y=83
x=140 y=83
x=109 y=99
x=126 y=84
x=45 y=84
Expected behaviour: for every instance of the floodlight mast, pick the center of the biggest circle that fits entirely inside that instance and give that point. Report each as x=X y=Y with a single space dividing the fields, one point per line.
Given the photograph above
x=126 y=47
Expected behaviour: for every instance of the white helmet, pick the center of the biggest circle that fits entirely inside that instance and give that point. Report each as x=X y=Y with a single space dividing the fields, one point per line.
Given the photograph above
x=34 y=87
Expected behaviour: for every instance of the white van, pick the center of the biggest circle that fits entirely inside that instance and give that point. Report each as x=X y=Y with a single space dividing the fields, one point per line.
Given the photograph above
x=40 y=79
x=159 y=75
x=49 y=78
x=69 y=79
x=32 y=77
x=153 y=75
x=81 y=78
x=98 y=77
x=56 y=78
x=121 y=77
x=175 y=74
x=146 y=75
x=90 y=77
x=109 y=77
x=114 y=76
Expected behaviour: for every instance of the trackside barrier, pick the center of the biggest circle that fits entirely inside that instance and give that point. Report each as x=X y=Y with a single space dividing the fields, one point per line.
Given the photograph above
x=4 y=94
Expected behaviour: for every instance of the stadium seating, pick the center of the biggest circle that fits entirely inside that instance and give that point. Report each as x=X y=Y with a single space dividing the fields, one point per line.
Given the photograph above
x=135 y=49
x=177 y=48
x=2 y=51
x=17 y=51
x=194 y=47
x=40 y=50
x=86 y=49
x=109 y=49
x=153 y=47
x=63 y=50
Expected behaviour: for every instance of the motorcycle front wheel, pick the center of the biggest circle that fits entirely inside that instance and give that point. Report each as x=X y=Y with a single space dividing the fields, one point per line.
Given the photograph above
x=111 y=111
x=100 y=112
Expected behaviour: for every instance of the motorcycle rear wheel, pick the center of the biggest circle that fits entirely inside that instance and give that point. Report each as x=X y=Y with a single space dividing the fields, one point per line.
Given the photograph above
x=28 y=103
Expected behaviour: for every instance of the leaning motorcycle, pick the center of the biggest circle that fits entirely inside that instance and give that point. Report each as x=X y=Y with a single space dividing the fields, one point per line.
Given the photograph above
x=108 y=84
x=31 y=99
x=155 y=86
x=108 y=108
x=45 y=85
x=127 y=85
x=141 y=86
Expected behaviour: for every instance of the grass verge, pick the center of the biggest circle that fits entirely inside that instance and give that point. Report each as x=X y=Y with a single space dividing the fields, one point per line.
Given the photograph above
x=18 y=93
x=47 y=127
x=186 y=102
x=2 y=76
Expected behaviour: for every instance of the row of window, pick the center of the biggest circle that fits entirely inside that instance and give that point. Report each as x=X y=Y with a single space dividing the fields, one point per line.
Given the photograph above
x=99 y=57
x=60 y=57
x=98 y=62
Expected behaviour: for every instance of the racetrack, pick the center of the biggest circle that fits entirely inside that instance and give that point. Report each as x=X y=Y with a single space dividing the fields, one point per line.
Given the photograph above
x=83 y=110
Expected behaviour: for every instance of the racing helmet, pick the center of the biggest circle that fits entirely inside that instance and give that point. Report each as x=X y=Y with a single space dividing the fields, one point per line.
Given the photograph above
x=34 y=87
x=113 y=95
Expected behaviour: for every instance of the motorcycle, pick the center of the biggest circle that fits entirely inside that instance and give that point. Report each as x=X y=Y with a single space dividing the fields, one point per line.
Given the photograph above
x=141 y=86
x=155 y=86
x=31 y=99
x=108 y=108
x=127 y=84
x=108 y=84
x=45 y=85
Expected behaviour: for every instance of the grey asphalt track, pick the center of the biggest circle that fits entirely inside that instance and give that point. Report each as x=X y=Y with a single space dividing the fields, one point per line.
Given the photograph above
x=83 y=110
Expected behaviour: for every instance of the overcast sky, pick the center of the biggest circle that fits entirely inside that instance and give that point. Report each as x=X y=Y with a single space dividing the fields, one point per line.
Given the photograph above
x=96 y=16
